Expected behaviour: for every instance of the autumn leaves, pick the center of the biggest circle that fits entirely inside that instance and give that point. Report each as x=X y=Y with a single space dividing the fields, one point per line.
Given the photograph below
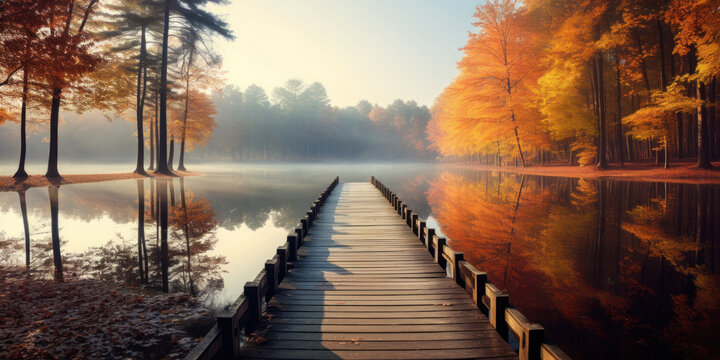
x=584 y=82
x=114 y=56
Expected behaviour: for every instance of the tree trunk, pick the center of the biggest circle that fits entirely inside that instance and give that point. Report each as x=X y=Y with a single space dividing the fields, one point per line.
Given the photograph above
x=665 y=152
x=140 y=106
x=157 y=129
x=702 y=138
x=602 y=161
x=52 y=169
x=643 y=63
x=172 y=151
x=181 y=163
x=619 y=129
x=162 y=167
x=20 y=173
x=152 y=144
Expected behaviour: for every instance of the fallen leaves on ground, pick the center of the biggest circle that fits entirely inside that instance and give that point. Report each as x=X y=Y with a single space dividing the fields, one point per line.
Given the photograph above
x=45 y=319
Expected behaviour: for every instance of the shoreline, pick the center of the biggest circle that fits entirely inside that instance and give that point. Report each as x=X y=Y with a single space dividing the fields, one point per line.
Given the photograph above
x=679 y=172
x=8 y=183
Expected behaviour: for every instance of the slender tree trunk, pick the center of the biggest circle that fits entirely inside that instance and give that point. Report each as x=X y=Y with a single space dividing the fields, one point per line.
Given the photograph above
x=157 y=129
x=20 y=173
x=663 y=84
x=620 y=136
x=712 y=120
x=172 y=150
x=181 y=164
x=162 y=144
x=702 y=137
x=152 y=144
x=26 y=226
x=141 y=84
x=665 y=152
x=52 y=169
x=602 y=149
x=643 y=63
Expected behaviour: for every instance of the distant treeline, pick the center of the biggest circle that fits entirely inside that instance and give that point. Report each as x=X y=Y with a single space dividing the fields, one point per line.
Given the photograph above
x=297 y=122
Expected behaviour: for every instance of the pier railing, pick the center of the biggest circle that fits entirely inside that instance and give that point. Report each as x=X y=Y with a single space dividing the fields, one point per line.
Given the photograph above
x=486 y=296
x=244 y=315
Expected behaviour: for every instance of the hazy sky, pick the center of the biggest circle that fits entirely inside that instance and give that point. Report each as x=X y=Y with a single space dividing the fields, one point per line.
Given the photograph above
x=379 y=50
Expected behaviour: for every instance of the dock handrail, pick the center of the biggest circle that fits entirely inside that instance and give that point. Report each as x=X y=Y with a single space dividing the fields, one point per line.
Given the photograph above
x=224 y=338
x=495 y=303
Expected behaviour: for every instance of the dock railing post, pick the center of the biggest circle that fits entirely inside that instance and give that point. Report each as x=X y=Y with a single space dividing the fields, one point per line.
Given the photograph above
x=271 y=268
x=282 y=262
x=415 y=224
x=292 y=240
x=299 y=236
x=252 y=292
x=499 y=301
x=429 y=239
x=409 y=217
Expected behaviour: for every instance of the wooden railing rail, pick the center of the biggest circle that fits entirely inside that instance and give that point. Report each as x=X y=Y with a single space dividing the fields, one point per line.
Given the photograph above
x=242 y=317
x=495 y=303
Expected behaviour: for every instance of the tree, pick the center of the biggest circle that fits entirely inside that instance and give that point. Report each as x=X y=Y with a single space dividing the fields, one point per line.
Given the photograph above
x=65 y=56
x=19 y=37
x=196 y=16
x=485 y=109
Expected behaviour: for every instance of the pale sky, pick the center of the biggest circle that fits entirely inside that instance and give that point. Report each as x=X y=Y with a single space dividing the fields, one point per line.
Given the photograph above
x=379 y=50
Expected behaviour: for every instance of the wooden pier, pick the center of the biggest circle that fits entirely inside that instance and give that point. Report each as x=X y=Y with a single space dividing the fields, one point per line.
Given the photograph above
x=359 y=279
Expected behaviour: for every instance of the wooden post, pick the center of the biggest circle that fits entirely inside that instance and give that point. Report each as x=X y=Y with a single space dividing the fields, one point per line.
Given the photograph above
x=292 y=241
x=282 y=262
x=428 y=239
x=457 y=257
x=530 y=335
x=271 y=268
x=499 y=301
x=299 y=235
x=439 y=251
x=309 y=217
x=480 y=281
x=414 y=224
x=252 y=293
x=398 y=207
x=304 y=225
x=228 y=322
x=409 y=217
x=421 y=231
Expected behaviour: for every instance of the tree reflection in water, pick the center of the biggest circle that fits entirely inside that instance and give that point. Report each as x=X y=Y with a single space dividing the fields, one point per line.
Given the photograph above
x=178 y=259
x=626 y=269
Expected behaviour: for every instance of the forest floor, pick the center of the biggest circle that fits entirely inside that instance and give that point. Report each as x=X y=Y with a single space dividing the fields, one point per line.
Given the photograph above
x=90 y=319
x=679 y=172
x=8 y=183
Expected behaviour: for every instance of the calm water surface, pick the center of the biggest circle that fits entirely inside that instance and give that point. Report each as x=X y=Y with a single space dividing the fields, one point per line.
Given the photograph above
x=611 y=269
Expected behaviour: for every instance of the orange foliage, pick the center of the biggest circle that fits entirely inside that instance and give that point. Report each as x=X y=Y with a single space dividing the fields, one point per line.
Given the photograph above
x=486 y=108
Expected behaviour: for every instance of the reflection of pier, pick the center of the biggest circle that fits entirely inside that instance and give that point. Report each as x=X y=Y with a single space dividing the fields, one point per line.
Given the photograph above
x=362 y=286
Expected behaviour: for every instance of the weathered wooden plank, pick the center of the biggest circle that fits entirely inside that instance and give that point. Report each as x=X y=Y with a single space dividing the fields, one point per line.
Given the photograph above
x=470 y=353
x=380 y=345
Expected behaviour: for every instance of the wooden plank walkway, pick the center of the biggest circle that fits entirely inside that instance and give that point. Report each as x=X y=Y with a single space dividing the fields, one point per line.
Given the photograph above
x=364 y=287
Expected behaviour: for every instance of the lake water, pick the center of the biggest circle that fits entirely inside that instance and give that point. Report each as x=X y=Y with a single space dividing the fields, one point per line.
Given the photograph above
x=611 y=269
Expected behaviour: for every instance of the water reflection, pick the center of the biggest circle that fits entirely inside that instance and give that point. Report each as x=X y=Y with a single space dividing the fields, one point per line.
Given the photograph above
x=612 y=269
